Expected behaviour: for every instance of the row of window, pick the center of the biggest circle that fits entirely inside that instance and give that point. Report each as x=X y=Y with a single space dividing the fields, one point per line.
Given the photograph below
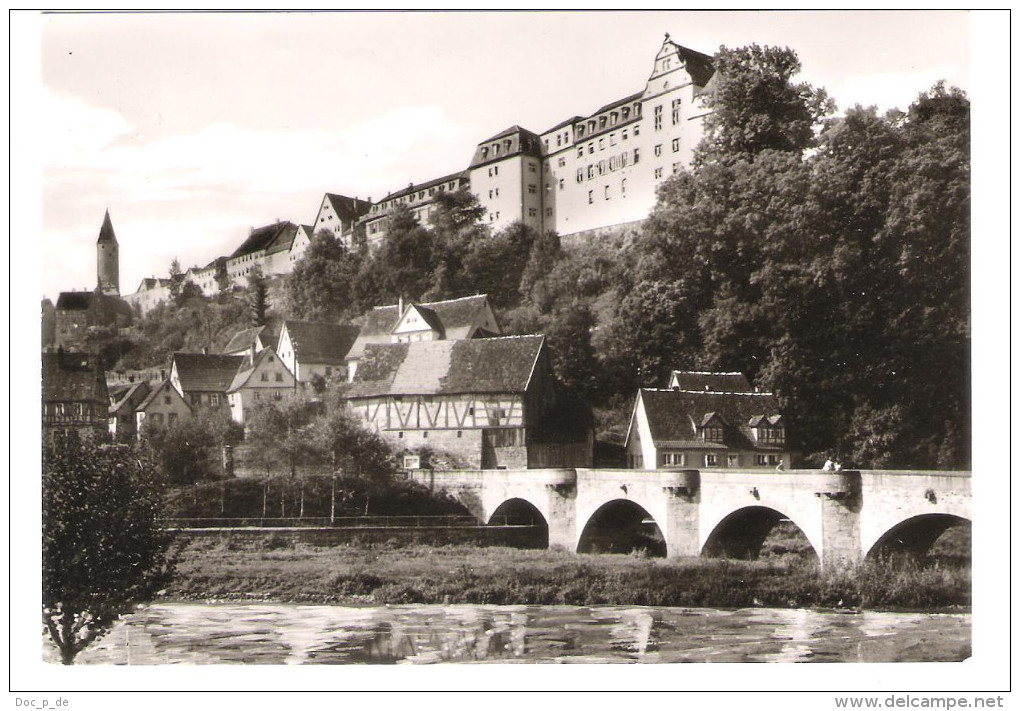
x=610 y=119
x=495 y=148
x=71 y=410
x=278 y=378
x=679 y=459
x=617 y=162
x=604 y=142
x=425 y=435
x=413 y=197
x=676 y=147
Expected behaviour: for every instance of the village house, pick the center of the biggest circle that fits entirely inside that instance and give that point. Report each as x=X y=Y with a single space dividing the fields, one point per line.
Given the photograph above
x=75 y=400
x=700 y=427
x=151 y=292
x=451 y=320
x=203 y=379
x=258 y=337
x=124 y=400
x=262 y=377
x=163 y=406
x=492 y=403
x=309 y=349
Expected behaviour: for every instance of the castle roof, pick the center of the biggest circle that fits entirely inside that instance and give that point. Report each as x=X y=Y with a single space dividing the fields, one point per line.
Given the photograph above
x=261 y=238
x=326 y=343
x=347 y=209
x=106 y=234
x=206 y=373
x=425 y=186
x=520 y=142
x=483 y=365
x=699 y=65
x=674 y=416
x=283 y=240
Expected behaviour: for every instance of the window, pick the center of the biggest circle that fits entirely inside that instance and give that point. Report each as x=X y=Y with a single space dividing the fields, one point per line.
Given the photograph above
x=279 y=377
x=591 y=172
x=658 y=117
x=561 y=162
x=460 y=434
x=265 y=377
x=732 y=460
x=548 y=212
x=711 y=460
x=591 y=147
x=774 y=459
x=591 y=197
x=580 y=176
x=580 y=130
x=258 y=395
x=674 y=459
x=425 y=435
x=214 y=399
x=623 y=188
x=712 y=434
x=676 y=111
x=602 y=144
x=412 y=461
x=532 y=212
x=559 y=141
x=400 y=435
x=606 y=192
x=532 y=190
x=580 y=151
x=677 y=167
x=637 y=130
x=676 y=145
x=658 y=149
x=760 y=460
x=624 y=135
x=561 y=182
x=637 y=152
x=531 y=167
x=602 y=167
x=166 y=400
x=658 y=173
x=612 y=139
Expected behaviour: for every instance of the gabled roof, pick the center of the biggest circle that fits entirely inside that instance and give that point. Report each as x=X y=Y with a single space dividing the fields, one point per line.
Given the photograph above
x=562 y=124
x=200 y=372
x=699 y=65
x=106 y=234
x=462 y=175
x=429 y=316
x=261 y=238
x=347 y=209
x=455 y=319
x=149 y=283
x=248 y=367
x=486 y=365
x=326 y=343
x=673 y=414
x=619 y=102
x=157 y=390
x=242 y=340
x=71 y=377
x=706 y=381
x=283 y=240
x=125 y=397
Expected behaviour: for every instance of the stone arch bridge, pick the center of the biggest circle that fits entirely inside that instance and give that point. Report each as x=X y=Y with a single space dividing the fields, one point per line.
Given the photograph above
x=846 y=516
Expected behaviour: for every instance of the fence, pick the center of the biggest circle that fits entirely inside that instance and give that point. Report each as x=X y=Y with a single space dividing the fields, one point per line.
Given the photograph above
x=446 y=521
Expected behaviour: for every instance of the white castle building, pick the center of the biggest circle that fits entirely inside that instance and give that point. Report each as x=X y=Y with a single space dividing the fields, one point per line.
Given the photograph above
x=585 y=173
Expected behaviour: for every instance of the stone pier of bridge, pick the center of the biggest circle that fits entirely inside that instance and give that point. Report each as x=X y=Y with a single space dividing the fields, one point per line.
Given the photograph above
x=845 y=515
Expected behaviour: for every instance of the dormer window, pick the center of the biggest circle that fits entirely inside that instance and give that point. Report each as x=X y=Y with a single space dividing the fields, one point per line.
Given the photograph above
x=712 y=433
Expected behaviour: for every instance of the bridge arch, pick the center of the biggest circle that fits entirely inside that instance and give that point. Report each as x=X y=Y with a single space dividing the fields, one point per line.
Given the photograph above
x=741 y=533
x=914 y=536
x=621 y=526
x=521 y=512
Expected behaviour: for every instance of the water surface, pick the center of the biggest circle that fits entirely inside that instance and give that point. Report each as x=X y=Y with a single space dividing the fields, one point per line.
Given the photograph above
x=229 y=633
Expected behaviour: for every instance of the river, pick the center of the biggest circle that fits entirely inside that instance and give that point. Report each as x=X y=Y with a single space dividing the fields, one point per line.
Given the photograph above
x=230 y=633
x=266 y=633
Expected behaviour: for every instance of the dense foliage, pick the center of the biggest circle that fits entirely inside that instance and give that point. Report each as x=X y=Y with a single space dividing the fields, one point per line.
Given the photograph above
x=191 y=449
x=103 y=547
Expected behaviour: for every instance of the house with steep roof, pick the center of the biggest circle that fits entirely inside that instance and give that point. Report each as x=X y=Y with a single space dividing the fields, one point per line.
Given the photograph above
x=491 y=402
x=452 y=319
x=164 y=405
x=151 y=292
x=311 y=348
x=260 y=378
x=702 y=428
x=242 y=342
x=75 y=400
x=203 y=379
x=339 y=214
x=78 y=311
x=124 y=400
x=251 y=255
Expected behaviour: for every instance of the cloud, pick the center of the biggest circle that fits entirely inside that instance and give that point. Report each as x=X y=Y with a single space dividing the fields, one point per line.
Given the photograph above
x=196 y=194
x=889 y=90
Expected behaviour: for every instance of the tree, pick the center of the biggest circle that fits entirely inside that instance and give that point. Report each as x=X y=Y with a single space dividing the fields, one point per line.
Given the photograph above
x=495 y=265
x=403 y=265
x=755 y=106
x=190 y=449
x=104 y=547
x=321 y=286
x=278 y=436
x=258 y=296
x=176 y=280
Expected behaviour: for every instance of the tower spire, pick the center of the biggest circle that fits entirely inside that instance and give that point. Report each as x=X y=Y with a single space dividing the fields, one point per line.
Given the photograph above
x=107 y=259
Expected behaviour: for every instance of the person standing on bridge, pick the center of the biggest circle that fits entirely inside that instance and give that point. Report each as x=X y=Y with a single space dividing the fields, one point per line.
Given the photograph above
x=829 y=465
x=779 y=467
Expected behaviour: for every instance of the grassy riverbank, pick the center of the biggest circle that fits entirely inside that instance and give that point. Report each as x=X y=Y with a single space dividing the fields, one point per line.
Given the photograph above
x=280 y=570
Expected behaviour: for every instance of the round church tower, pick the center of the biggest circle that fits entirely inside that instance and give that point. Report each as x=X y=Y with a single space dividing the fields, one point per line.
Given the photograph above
x=107 y=259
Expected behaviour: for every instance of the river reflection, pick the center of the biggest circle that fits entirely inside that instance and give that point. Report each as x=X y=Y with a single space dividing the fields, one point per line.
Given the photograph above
x=222 y=633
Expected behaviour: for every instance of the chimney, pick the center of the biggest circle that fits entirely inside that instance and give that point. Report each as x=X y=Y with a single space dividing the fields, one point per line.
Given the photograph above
x=205 y=350
x=400 y=305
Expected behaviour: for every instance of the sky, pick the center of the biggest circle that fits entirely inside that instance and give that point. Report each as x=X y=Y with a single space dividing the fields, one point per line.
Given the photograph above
x=194 y=128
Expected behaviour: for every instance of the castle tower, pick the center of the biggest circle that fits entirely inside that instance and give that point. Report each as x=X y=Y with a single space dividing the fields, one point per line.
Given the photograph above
x=107 y=259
